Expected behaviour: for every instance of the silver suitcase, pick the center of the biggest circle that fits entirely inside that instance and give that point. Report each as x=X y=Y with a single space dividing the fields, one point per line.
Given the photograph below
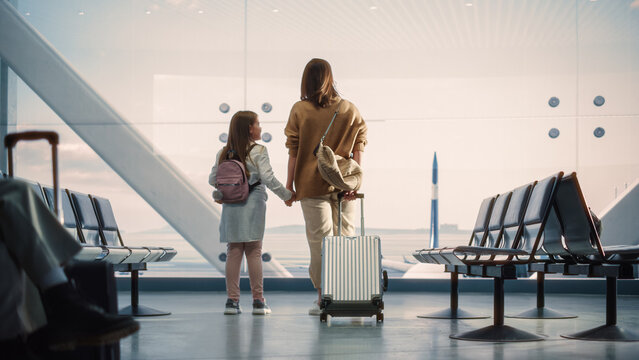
x=353 y=281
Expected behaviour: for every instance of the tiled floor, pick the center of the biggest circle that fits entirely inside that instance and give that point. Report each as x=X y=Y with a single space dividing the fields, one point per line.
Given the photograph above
x=198 y=329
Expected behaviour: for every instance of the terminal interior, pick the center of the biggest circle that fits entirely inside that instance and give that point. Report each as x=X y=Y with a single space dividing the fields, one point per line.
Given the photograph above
x=503 y=93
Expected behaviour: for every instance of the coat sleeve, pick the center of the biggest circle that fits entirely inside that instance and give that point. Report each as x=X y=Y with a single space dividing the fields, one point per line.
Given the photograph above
x=292 y=133
x=267 y=177
x=361 y=138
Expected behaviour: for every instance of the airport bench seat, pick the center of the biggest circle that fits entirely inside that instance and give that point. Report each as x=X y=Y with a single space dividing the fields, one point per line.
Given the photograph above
x=472 y=250
x=477 y=237
x=88 y=252
x=555 y=235
x=91 y=222
x=435 y=256
x=563 y=240
x=508 y=252
x=111 y=235
x=89 y=228
x=91 y=253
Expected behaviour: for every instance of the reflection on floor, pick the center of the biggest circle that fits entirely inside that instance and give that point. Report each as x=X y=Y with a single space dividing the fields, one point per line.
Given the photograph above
x=197 y=329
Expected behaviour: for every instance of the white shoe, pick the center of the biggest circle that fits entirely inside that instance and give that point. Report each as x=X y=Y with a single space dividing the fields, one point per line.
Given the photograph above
x=315 y=309
x=232 y=307
x=260 y=308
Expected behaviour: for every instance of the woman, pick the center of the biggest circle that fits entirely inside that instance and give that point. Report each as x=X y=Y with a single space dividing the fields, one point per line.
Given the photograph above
x=307 y=122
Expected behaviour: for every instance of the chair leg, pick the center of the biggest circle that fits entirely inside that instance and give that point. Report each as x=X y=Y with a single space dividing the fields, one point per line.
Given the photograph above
x=454 y=312
x=498 y=332
x=541 y=311
x=135 y=309
x=610 y=331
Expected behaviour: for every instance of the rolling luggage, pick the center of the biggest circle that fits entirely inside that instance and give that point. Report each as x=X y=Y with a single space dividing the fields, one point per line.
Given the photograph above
x=352 y=278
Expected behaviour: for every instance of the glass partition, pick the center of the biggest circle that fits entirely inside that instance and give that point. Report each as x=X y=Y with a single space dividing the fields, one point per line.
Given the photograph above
x=505 y=92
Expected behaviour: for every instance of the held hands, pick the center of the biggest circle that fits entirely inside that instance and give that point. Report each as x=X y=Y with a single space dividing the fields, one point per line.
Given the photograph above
x=290 y=201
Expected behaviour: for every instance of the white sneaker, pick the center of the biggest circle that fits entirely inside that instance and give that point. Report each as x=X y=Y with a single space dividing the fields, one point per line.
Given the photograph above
x=260 y=308
x=232 y=307
x=315 y=309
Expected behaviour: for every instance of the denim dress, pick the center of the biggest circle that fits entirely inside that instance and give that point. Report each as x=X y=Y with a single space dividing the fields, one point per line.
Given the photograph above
x=246 y=221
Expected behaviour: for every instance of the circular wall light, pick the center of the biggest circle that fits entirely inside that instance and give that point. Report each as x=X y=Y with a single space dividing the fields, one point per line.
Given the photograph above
x=553 y=101
x=553 y=133
x=599 y=132
x=224 y=108
x=224 y=137
x=267 y=107
x=267 y=137
x=222 y=257
x=599 y=100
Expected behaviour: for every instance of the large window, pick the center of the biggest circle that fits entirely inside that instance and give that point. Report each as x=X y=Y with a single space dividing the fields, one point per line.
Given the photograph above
x=506 y=92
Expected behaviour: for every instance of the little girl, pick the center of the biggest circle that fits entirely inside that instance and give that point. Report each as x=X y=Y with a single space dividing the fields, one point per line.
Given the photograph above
x=242 y=224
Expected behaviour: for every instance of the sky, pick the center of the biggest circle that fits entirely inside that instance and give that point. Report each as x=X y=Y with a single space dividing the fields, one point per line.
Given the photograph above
x=471 y=83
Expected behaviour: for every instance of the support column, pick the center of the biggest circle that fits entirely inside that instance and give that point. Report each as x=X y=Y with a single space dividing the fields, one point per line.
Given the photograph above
x=8 y=103
x=454 y=292
x=135 y=291
x=610 y=331
x=541 y=311
x=497 y=332
x=541 y=302
x=498 y=302
x=453 y=312
x=611 y=301
x=135 y=308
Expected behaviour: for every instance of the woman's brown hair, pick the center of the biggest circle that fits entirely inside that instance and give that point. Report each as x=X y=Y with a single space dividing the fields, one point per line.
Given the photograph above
x=239 y=140
x=317 y=83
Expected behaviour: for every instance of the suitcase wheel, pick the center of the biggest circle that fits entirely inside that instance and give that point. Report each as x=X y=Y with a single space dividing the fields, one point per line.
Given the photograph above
x=323 y=317
x=380 y=317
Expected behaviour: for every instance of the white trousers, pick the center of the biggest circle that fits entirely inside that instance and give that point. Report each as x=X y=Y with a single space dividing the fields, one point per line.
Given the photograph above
x=321 y=218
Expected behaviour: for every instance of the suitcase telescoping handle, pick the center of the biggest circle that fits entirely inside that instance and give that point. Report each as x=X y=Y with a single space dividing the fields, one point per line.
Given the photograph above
x=339 y=217
x=52 y=137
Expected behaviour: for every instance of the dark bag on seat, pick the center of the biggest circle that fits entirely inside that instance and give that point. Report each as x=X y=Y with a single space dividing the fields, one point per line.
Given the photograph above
x=95 y=282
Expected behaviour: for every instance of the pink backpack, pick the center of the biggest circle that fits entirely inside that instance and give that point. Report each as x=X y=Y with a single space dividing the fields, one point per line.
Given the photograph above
x=232 y=182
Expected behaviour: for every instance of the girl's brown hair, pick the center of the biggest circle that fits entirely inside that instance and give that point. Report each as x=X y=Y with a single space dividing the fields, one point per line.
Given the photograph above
x=317 y=83
x=239 y=140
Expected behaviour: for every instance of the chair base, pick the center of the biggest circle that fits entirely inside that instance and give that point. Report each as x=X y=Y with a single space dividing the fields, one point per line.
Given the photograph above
x=141 y=310
x=498 y=333
x=452 y=314
x=605 y=333
x=541 y=313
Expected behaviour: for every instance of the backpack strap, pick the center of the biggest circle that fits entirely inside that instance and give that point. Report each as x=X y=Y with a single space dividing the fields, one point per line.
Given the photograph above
x=253 y=186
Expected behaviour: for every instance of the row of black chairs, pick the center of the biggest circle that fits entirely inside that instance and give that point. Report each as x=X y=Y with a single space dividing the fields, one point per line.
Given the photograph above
x=91 y=222
x=542 y=227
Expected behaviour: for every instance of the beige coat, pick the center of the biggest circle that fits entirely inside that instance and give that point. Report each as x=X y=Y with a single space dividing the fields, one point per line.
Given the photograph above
x=305 y=127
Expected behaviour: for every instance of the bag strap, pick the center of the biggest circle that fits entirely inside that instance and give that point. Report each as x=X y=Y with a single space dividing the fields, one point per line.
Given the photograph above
x=329 y=125
x=326 y=132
